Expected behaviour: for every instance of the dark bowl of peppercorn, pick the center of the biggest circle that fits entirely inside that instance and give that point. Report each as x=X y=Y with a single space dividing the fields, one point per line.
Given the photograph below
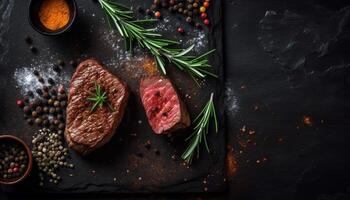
x=15 y=160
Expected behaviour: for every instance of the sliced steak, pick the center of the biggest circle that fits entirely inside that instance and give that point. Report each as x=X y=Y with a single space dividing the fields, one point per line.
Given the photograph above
x=88 y=130
x=164 y=109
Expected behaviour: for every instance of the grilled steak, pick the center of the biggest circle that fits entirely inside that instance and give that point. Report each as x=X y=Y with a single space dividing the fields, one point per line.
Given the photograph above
x=164 y=109
x=88 y=130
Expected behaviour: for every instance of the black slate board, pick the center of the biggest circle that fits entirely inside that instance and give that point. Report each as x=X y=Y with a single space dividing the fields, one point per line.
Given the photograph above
x=159 y=172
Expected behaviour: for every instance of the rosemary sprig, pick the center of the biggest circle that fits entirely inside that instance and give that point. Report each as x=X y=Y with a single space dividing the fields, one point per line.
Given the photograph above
x=121 y=18
x=99 y=98
x=201 y=131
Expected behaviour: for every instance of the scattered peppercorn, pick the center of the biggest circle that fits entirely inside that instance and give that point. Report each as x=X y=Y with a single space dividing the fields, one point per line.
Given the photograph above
x=206 y=4
x=28 y=39
x=20 y=103
x=204 y=16
x=190 y=9
x=181 y=30
x=157 y=14
x=33 y=49
x=49 y=154
x=56 y=68
x=206 y=22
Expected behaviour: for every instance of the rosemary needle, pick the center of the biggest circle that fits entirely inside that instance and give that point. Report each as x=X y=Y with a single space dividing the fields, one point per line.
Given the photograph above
x=121 y=18
x=99 y=98
x=200 y=131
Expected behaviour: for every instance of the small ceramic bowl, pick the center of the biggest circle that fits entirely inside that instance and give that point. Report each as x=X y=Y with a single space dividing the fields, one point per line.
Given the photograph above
x=9 y=139
x=34 y=7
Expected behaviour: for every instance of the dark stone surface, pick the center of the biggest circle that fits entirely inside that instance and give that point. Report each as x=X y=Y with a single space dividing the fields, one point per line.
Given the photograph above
x=302 y=161
x=116 y=167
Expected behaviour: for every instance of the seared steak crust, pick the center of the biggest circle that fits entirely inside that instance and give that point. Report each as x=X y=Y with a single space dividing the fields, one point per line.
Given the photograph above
x=88 y=130
x=164 y=109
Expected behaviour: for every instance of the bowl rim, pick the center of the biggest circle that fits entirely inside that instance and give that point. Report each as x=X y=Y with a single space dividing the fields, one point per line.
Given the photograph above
x=30 y=159
x=68 y=26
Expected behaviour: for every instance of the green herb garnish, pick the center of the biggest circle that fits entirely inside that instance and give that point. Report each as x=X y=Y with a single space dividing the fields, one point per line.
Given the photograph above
x=99 y=98
x=121 y=18
x=201 y=131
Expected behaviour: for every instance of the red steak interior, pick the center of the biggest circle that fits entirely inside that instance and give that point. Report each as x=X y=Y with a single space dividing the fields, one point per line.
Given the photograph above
x=164 y=108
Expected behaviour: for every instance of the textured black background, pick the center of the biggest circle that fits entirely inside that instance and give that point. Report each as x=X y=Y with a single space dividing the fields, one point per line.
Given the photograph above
x=310 y=162
x=159 y=173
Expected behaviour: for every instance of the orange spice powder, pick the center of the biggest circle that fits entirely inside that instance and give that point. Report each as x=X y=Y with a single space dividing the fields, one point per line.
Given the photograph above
x=150 y=66
x=54 y=14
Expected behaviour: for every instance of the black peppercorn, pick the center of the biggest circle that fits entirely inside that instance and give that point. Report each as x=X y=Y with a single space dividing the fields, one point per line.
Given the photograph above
x=140 y=9
x=41 y=80
x=51 y=81
x=39 y=91
x=56 y=68
x=36 y=73
x=180 y=10
x=156 y=151
x=28 y=39
x=33 y=49
x=30 y=93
